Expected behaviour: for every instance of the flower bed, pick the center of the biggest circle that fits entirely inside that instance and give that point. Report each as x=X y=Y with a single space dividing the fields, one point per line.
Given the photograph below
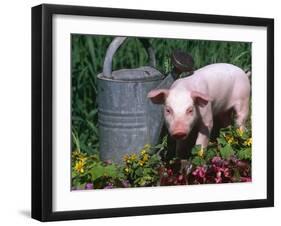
x=226 y=160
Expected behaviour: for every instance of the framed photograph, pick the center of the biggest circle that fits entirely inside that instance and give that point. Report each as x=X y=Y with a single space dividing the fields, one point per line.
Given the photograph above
x=146 y=112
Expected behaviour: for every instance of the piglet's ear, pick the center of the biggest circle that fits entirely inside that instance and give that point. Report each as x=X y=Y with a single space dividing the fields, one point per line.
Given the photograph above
x=200 y=98
x=158 y=96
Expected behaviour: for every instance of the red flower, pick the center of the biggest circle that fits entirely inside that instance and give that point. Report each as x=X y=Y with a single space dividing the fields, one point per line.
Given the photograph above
x=218 y=178
x=245 y=179
x=200 y=171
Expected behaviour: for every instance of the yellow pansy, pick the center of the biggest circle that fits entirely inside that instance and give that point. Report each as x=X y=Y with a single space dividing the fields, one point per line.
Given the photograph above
x=248 y=142
x=133 y=157
x=240 y=132
x=201 y=152
x=141 y=163
x=143 y=152
x=145 y=157
x=229 y=139
x=79 y=166
x=127 y=170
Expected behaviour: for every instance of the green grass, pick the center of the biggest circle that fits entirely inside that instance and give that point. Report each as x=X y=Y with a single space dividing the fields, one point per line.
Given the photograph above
x=88 y=53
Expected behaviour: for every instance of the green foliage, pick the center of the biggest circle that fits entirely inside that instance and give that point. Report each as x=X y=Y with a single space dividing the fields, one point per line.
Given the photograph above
x=245 y=153
x=198 y=161
x=138 y=170
x=89 y=169
x=100 y=170
x=141 y=170
x=226 y=151
x=228 y=159
x=232 y=142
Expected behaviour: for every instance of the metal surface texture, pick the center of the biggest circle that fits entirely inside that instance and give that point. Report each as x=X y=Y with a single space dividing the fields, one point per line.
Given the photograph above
x=127 y=118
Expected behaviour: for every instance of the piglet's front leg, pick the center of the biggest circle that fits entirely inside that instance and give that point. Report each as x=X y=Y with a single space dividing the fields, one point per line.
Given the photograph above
x=204 y=133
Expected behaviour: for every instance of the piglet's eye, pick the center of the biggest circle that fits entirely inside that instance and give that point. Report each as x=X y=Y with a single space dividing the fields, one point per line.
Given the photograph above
x=168 y=110
x=189 y=110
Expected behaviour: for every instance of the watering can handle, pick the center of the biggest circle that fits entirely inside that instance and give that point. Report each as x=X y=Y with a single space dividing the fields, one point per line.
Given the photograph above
x=113 y=47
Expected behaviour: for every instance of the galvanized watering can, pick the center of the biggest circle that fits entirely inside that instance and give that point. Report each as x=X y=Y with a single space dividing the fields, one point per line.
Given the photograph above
x=127 y=118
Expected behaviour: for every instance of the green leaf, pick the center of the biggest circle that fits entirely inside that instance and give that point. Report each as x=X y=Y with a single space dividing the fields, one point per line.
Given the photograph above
x=222 y=141
x=245 y=154
x=139 y=172
x=111 y=171
x=96 y=171
x=245 y=136
x=226 y=151
x=147 y=171
x=99 y=170
x=197 y=161
x=210 y=153
x=195 y=149
x=154 y=159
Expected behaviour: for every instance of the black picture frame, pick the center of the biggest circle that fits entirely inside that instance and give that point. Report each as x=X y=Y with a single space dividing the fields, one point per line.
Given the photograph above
x=42 y=111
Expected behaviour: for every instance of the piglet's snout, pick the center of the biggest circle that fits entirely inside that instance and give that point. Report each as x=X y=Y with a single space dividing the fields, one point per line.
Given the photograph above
x=179 y=131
